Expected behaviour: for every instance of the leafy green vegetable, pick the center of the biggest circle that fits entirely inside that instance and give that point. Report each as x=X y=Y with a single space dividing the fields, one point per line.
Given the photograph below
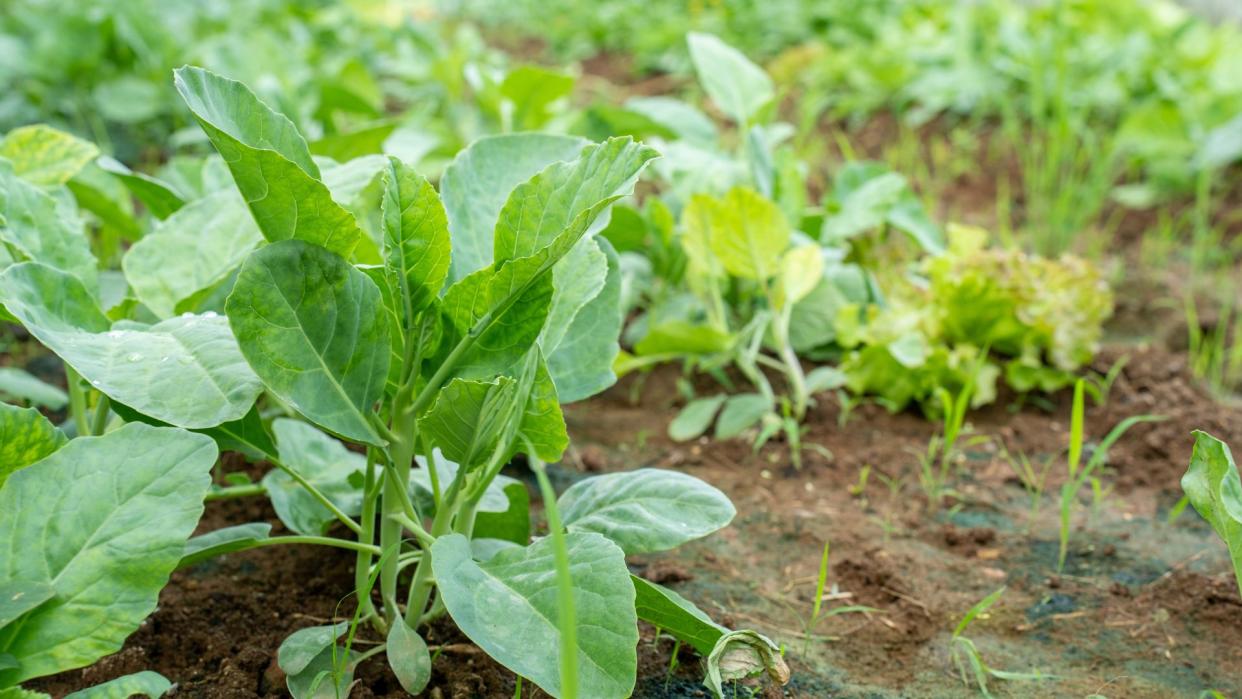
x=44 y=155
x=25 y=437
x=147 y=683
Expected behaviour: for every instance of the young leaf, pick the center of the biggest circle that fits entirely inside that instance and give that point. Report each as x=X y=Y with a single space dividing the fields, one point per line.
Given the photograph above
x=477 y=184
x=186 y=371
x=326 y=464
x=149 y=684
x=25 y=437
x=192 y=250
x=1215 y=489
x=744 y=232
x=408 y=657
x=113 y=513
x=44 y=155
x=555 y=208
x=737 y=86
x=469 y=418
x=511 y=304
x=695 y=418
x=646 y=510
x=39 y=230
x=508 y=607
x=327 y=676
x=802 y=269
x=416 y=237
x=270 y=163
x=160 y=198
x=741 y=412
x=302 y=647
x=310 y=326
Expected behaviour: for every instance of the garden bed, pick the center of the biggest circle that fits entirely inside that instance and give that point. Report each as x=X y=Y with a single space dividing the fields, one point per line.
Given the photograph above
x=1144 y=607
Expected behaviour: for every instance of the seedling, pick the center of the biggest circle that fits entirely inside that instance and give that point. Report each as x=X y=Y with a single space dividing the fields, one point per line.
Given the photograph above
x=967 y=659
x=817 y=606
x=1077 y=477
x=1214 y=488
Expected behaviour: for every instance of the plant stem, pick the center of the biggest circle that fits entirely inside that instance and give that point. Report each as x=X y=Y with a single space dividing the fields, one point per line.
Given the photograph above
x=319 y=540
x=567 y=618
x=77 y=401
x=100 y=418
x=362 y=565
x=318 y=495
x=420 y=587
x=235 y=491
x=397 y=474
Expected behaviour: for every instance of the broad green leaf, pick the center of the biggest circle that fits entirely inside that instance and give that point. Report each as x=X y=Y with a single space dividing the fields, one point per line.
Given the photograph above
x=695 y=418
x=1215 y=489
x=18 y=692
x=543 y=423
x=160 y=197
x=510 y=525
x=36 y=228
x=740 y=88
x=270 y=163
x=416 y=237
x=221 y=541
x=18 y=597
x=510 y=306
x=469 y=418
x=147 y=683
x=408 y=657
x=646 y=510
x=580 y=337
x=323 y=461
x=674 y=614
x=556 y=207
x=192 y=250
x=302 y=647
x=867 y=195
x=18 y=385
x=186 y=371
x=744 y=233
x=508 y=607
x=113 y=513
x=25 y=437
x=740 y=412
x=477 y=184
x=310 y=326
x=44 y=155
x=825 y=378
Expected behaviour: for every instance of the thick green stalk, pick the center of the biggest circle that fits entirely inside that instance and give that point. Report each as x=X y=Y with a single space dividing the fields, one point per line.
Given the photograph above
x=77 y=401
x=402 y=451
x=99 y=420
x=235 y=491
x=420 y=587
x=370 y=493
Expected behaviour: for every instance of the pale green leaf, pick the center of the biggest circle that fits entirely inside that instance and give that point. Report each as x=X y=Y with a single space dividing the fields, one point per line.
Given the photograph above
x=469 y=418
x=740 y=88
x=44 y=155
x=477 y=183
x=580 y=337
x=802 y=269
x=25 y=437
x=221 y=541
x=646 y=510
x=186 y=371
x=328 y=676
x=326 y=464
x=744 y=233
x=302 y=647
x=18 y=385
x=147 y=683
x=510 y=306
x=18 y=597
x=270 y=163
x=695 y=418
x=160 y=197
x=741 y=412
x=192 y=250
x=508 y=607
x=113 y=514
x=310 y=326
x=408 y=657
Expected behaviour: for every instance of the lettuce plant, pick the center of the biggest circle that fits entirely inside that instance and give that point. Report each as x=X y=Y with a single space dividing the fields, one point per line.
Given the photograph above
x=436 y=332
